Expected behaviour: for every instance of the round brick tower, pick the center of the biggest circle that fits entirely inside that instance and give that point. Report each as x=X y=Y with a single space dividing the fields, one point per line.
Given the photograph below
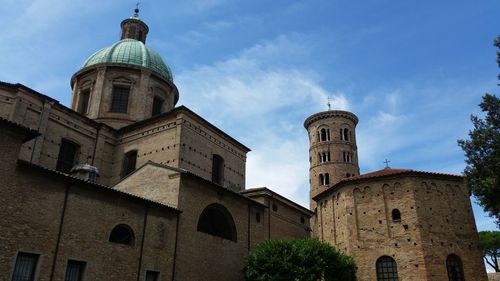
x=332 y=152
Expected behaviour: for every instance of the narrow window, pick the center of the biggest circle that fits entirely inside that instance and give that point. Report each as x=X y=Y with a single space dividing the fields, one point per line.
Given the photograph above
x=217 y=221
x=387 y=269
x=152 y=275
x=454 y=267
x=275 y=207
x=157 y=106
x=129 y=162
x=324 y=134
x=324 y=179
x=346 y=134
x=84 y=101
x=347 y=157
x=217 y=169
x=119 y=102
x=302 y=220
x=328 y=156
x=25 y=267
x=122 y=234
x=74 y=270
x=67 y=156
x=396 y=215
x=257 y=217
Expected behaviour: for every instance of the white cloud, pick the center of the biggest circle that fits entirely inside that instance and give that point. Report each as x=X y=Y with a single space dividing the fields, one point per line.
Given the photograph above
x=262 y=101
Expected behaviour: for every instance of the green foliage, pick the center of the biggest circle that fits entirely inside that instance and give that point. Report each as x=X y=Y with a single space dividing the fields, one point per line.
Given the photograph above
x=483 y=154
x=490 y=245
x=298 y=260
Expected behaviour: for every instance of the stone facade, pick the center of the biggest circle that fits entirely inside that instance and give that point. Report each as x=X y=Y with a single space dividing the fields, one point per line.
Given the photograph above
x=416 y=219
x=170 y=201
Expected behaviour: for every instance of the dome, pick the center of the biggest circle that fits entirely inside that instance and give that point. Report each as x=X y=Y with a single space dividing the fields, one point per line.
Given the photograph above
x=130 y=51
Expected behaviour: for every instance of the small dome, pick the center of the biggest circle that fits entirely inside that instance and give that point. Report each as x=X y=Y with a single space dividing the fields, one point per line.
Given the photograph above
x=130 y=51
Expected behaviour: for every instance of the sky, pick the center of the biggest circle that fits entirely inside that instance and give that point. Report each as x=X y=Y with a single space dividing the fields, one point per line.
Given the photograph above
x=412 y=71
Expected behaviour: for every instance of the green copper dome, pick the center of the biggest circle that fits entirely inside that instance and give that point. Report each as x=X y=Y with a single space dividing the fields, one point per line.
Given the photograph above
x=130 y=51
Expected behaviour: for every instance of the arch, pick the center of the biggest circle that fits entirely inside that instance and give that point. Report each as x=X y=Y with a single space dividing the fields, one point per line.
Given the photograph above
x=122 y=234
x=324 y=134
x=345 y=134
x=387 y=269
x=455 y=268
x=216 y=220
x=396 y=215
x=67 y=157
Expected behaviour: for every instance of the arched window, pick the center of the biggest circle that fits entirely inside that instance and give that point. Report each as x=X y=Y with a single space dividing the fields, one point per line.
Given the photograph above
x=347 y=157
x=122 y=234
x=396 y=215
x=129 y=162
x=455 y=269
x=324 y=134
x=217 y=169
x=387 y=269
x=344 y=134
x=324 y=179
x=67 y=157
x=217 y=221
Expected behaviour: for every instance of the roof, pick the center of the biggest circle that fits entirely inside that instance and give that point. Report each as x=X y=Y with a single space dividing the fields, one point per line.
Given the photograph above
x=27 y=132
x=329 y=114
x=209 y=183
x=386 y=172
x=96 y=186
x=175 y=111
x=130 y=51
x=269 y=192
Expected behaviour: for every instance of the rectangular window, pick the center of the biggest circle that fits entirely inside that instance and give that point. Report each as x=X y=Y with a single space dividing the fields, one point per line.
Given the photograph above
x=84 y=101
x=157 y=105
x=152 y=275
x=129 y=162
x=25 y=267
x=119 y=102
x=67 y=156
x=75 y=270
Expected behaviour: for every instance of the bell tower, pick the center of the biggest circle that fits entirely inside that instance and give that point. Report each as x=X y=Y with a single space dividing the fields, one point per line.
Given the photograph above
x=333 y=153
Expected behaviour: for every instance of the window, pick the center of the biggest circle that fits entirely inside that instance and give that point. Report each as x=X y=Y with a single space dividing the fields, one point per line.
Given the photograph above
x=396 y=215
x=119 y=102
x=83 y=103
x=257 y=217
x=324 y=134
x=25 y=267
x=74 y=270
x=122 y=234
x=324 y=179
x=455 y=269
x=217 y=221
x=152 y=275
x=347 y=157
x=67 y=156
x=324 y=157
x=275 y=207
x=157 y=106
x=217 y=169
x=344 y=134
x=129 y=162
x=387 y=269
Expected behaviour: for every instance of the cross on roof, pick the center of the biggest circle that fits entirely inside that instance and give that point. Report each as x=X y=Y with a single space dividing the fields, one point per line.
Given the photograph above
x=329 y=105
x=386 y=163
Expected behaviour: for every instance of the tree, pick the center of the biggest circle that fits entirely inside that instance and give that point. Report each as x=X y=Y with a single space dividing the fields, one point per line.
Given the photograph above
x=482 y=151
x=294 y=260
x=489 y=242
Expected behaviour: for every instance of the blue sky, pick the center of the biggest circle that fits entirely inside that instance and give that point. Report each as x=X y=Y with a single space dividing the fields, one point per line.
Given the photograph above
x=412 y=71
